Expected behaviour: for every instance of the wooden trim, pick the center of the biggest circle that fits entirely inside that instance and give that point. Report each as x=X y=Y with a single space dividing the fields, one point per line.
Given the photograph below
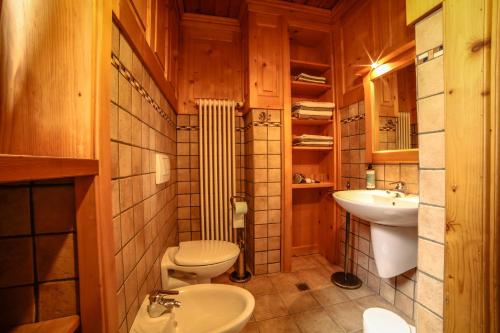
x=15 y=168
x=391 y=57
x=400 y=58
x=468 y=142
x=219 y=23
x=290 y=9
x=125 y=18
x=312 y=186
x=417 y=9
x=286 y=226
x=60 y=325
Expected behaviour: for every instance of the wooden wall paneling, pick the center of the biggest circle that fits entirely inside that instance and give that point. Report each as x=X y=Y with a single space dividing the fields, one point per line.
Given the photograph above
x=159 y=33
x=265 y=61
x=307 y=214
x=416 y=9
x=391 y=28
x=467 y=36
x=173 y=47
x=45 y=86
x=354 y=45
x=126 y=19
x=211 y=61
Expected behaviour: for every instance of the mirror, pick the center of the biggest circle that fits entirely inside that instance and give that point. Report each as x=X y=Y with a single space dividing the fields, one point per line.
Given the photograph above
x=395 y=107
x=391 y=109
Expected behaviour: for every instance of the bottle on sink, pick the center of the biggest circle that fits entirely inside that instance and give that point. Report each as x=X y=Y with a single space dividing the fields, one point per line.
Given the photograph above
x=370 y=178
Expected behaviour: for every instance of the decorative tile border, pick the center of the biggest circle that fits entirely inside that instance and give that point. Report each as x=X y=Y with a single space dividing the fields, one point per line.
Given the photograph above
x=137 y=86
x=353 y=118
x=429 y=55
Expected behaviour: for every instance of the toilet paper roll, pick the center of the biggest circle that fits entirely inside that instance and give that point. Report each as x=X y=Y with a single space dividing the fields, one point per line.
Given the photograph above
x=239 y=211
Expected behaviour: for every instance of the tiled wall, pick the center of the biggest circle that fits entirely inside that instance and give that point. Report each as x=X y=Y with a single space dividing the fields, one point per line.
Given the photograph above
x=400 y=290
x=144 y=214
x=38 y=266
x=431 y=216
x=263 y=189
x=188 y=177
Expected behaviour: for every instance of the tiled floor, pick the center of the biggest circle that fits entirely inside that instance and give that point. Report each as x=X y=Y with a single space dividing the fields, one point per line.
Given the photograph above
x=281 y=307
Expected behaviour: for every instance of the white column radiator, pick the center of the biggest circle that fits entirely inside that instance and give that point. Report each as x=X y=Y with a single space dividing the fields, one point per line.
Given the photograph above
x=217 y=167
x=403 y=131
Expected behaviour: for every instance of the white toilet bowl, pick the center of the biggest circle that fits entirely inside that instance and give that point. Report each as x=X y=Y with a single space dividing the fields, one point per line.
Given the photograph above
x=378 y=320
x=196 y=262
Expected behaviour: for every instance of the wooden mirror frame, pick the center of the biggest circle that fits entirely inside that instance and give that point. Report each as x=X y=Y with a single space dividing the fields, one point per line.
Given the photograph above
x=400 y=58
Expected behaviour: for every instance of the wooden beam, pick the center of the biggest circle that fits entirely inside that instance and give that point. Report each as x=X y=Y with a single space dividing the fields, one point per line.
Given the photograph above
x=467 y=36
x=416 y=9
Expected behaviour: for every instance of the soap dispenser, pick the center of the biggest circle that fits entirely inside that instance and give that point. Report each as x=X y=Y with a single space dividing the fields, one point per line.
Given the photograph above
x=370 y=178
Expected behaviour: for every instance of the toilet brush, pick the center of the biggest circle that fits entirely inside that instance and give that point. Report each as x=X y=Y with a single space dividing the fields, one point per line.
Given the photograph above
x=240 y=209
x=345 y=279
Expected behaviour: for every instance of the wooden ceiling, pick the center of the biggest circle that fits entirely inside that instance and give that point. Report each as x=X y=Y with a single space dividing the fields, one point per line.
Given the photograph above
x=231 y=8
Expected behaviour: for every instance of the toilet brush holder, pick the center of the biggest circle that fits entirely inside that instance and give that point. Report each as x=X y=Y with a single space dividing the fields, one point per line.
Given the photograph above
x=345 y=279
x=240 y=274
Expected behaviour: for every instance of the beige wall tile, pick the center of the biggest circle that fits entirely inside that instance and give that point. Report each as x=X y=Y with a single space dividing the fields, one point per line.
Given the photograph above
x=404 y=304
x=426 y=321
x=54 y=208
x=431 y=258
x=431 y=222
x=125 y=160
x=22 y=311
x=430 y=293
x=57 y=299
x=429 y=32
x=430 y=78
x=431 y=154
x=16 y=260
x=431 y=113
x=432 y=187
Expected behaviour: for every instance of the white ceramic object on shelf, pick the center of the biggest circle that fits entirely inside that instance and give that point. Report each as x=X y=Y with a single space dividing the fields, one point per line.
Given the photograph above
x=394 y=219
x=195 y=262
x=204 y=308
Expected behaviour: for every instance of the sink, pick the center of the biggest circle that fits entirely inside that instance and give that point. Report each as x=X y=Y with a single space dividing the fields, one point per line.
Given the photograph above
x=394 y=218
x=205 y=308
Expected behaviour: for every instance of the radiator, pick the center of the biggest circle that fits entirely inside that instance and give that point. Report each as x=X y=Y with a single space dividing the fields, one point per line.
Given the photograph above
x=217 y=144
x=403 y=131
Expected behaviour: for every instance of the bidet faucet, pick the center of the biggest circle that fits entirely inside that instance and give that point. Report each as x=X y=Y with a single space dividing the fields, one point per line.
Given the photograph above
x=400 y=187
x=160 y=303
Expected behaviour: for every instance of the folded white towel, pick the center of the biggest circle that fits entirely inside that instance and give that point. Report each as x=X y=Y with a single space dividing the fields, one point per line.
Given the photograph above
x=310 y=104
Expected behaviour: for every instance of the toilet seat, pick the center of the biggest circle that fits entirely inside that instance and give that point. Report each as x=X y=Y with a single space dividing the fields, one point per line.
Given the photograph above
x=205 y=252
x=378 y=320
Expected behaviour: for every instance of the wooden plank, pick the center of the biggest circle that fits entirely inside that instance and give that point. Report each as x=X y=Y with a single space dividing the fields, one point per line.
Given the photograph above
x=309 y=89
x=312 y=186
x=321 y=149
x=416 y=9
x=21 y=168
x=60 y=325
x=467 y=73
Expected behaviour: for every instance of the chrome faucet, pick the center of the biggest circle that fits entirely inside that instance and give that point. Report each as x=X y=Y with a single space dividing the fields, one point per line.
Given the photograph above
x=399 y=187
x=160 y=303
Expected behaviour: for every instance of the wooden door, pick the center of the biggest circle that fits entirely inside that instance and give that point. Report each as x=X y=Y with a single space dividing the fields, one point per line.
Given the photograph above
x=265 y=61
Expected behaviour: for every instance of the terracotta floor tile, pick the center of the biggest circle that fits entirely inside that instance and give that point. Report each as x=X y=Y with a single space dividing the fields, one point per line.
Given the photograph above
x=314 y=278
x=299 y=301
x=329 y=296
x=358 y=293
x=316 y=321
x=349 y=315
x=284 y=282
x=303 y=262
x=279 y=325
x=269 y=306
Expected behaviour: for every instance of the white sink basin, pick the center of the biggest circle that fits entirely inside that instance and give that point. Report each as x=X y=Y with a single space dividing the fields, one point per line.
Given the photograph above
x=379 y=206
x=393 y=229
x=205 y=308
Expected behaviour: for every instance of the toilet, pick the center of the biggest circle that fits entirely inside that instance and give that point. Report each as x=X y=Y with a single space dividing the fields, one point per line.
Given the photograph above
x=196 y=262
x=378 y=320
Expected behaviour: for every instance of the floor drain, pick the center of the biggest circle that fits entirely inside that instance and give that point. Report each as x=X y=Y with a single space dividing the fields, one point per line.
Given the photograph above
x=302 y=286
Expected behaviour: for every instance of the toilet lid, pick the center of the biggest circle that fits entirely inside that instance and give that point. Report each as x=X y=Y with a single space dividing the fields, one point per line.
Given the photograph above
x=205 y=252
x=382 y=320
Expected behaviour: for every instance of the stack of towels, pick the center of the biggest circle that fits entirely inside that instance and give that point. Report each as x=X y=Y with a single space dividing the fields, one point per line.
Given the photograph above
x=308 y=140
x=310 y=78
x=313 y=110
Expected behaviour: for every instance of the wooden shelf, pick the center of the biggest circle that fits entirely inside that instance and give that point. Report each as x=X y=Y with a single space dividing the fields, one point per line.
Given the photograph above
x=15 y=168
x=312 y=148
x=300 y=88
x=311 y=122
x=60 y=325
x=312 y=186
x=308 y=67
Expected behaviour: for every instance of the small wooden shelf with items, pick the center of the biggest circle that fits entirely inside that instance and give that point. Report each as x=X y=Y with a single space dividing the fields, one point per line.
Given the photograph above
x=309 y=215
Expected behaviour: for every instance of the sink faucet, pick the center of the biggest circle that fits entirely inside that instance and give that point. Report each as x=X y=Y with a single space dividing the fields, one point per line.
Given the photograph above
x=160 y=303
x=399 y=187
